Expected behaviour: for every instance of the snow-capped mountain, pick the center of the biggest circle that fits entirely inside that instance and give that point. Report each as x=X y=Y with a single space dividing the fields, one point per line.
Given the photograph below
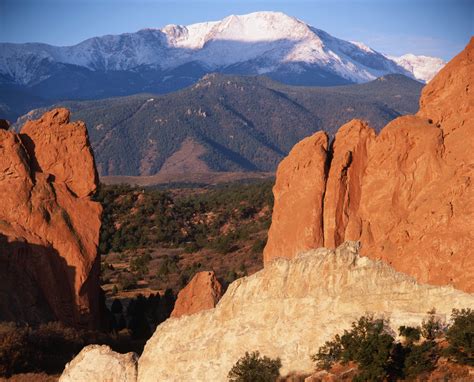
x=423 y=68
x=163 y=60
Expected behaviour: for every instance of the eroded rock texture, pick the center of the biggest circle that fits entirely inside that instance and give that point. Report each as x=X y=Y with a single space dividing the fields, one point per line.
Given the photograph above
x=288 y=310
x=49 y=226
x=202 y=292
x=101 y=364
x=406 y=194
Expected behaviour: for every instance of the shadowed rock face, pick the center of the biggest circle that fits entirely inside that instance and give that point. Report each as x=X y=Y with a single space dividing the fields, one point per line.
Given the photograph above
x=49 y=226
x=406 y=194
x=202 y=292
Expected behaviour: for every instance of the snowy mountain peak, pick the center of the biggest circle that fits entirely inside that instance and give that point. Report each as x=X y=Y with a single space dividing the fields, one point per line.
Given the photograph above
x=362 y=46
x=261 y=26
x=273 y=43
x=424 y=68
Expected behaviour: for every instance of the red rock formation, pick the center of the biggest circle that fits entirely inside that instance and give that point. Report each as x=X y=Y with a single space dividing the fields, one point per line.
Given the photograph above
x=406 y=194
x=299 y=184
x=49 y=226
x=203 y=292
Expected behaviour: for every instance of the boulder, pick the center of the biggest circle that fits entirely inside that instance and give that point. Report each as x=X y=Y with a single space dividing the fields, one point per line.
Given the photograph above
x=203 y=292
x=101 y=364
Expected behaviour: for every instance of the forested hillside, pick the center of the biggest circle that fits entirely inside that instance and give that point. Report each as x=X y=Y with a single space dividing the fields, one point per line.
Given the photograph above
x=229 y=123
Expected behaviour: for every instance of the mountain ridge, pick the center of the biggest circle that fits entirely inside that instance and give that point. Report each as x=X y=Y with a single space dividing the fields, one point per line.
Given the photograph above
x=228 y=123
x=175 y=56
x=277 y=36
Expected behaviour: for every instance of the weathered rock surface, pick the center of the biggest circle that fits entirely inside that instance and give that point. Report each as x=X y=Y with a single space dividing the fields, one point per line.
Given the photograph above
x=202 y=292
x=49 y=226
x=406 y=194
x=101 y=364
x=299 y=188
x=288 y=310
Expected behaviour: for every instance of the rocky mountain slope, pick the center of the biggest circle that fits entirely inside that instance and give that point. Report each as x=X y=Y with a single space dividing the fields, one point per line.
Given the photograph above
x=49 y=226
x=229 y=123
x=405 y=193
x=163 y=60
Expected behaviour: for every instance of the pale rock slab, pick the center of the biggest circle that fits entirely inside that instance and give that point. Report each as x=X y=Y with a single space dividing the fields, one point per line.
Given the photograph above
x=288 y=310
x=101 y=364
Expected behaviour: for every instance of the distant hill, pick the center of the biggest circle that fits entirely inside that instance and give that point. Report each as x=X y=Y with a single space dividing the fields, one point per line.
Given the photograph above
x=229 y=123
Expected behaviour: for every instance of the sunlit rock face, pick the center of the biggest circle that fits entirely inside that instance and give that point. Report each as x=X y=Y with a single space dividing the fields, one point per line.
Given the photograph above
x=288 y=310
x=201 y=293
x=49 y=225
x=101 y=364
x=406 y=194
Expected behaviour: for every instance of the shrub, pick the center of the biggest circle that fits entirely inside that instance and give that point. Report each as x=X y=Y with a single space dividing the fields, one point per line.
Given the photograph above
x=328 y=354
x=410 y=333
x=46 y=348
x=460 y=336
x=127 y=281
x=254 y=368
x=139 y=264
x=54 y=345
x=419 y=359
x=13 y=357
x=224 y=243
x=368 y=344
x=431 y=327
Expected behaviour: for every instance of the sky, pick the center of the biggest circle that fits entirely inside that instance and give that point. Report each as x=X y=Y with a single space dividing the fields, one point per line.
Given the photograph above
x=438 y=28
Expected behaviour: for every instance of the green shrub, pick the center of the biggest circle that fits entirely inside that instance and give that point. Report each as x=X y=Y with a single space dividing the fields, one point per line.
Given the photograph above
x=139 y=264
x=127 y=281
x=254 y=368
x=460 y=336
x=432 y=326
x=224 y=243
x=368 y=344
x=419 y=359
x=328 y=354
x=410 y=333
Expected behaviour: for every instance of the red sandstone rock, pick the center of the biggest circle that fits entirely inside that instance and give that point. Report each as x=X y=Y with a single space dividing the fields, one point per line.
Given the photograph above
x=203 y=292
x=299 y=193
x=406 y=194
x=49 y=226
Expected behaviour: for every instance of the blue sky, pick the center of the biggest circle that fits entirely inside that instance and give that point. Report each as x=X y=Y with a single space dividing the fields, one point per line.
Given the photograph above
x=431 y=27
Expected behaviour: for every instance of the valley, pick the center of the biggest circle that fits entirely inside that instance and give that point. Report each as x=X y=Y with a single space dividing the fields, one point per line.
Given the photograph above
x=153 y=240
